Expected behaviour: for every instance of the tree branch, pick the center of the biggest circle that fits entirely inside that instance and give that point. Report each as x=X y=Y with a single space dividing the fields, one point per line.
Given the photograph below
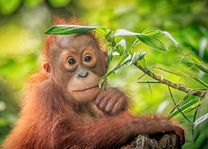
x=181 y=87
x=155 y=141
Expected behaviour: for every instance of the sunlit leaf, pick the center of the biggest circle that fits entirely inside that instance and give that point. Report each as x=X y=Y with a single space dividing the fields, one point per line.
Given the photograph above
x=136 y=57
x=185 y=106
x=195 y=133
x=152 y=41
x=201 y=119
x=201 y=67
x=122 y=63
x=196 y=63
x=123 y=43
x=69 y=29
x=170 y=37
x=135 y=43
x=123 y=32
x=202 y=47
x=151 y=31
x=109 y=57
x=178 y=109
x=121 y=46
x=156 y=31
x=201 y=82
x=181 y=101
x=141 y=56
x=102 y=31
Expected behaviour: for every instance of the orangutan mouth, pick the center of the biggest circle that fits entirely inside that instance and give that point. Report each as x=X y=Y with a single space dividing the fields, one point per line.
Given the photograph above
x=85 y=89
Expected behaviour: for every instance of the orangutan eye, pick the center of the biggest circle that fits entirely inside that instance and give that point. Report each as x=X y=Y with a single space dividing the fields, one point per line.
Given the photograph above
x=87 y=58
x=71 y=61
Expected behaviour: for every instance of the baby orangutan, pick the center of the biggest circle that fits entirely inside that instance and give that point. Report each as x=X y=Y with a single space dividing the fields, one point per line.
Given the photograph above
x=64 y=107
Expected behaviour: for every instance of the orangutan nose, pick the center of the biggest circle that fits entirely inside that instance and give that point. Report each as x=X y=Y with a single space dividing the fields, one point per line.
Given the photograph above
x=83 y=73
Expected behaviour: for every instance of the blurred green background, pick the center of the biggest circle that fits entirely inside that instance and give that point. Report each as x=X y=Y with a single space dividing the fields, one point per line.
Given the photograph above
x=22 y=26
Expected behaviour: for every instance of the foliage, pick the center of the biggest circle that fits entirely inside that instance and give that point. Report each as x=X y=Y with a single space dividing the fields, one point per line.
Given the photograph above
x=128 y=56
x=22 y=24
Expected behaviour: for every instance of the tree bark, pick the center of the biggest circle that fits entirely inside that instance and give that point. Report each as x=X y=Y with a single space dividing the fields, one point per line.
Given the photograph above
x=156 y=141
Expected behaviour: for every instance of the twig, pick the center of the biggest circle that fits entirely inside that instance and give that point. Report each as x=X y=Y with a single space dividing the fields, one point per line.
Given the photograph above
x=184 y=98
x=148 y=81
x=141 y=76
x=171 y=95
x=181 y=87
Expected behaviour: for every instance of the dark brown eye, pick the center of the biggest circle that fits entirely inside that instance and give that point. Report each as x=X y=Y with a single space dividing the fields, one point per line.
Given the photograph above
x=87 y=58
x=71 y=61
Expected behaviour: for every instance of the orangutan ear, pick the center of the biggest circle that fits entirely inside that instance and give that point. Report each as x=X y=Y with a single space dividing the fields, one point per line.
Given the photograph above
x=46 y=67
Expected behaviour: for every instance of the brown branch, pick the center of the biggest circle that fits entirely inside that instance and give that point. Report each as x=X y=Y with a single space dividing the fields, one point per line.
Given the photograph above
x=181 y=87
x=155 y=141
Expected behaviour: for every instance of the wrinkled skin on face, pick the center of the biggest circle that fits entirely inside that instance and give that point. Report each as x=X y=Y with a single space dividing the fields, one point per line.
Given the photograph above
x=78 y=65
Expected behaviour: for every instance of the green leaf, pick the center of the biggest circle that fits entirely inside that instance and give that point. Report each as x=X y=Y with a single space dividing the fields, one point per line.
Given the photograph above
x=123 y=61
x=123 y=43
x=156 y=31
x=152 y=41
x=170 y=37
x=136 y=57
x=196 y=63
x=148 y=37
x=120 y=46
x=185 y=106
x=202 y=46
x=149 y=40
x=201 y=67
x=178 y=109
x=151 y=31
x=102 y=31
x=201 y=82
x=181 y=101
x=136 y=42
x=109 y=57
x=123 y=32
x=69 y=29
x=195 y=131
x=201 y=119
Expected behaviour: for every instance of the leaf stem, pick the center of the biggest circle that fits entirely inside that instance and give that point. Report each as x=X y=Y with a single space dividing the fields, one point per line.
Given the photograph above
x=201 y=93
